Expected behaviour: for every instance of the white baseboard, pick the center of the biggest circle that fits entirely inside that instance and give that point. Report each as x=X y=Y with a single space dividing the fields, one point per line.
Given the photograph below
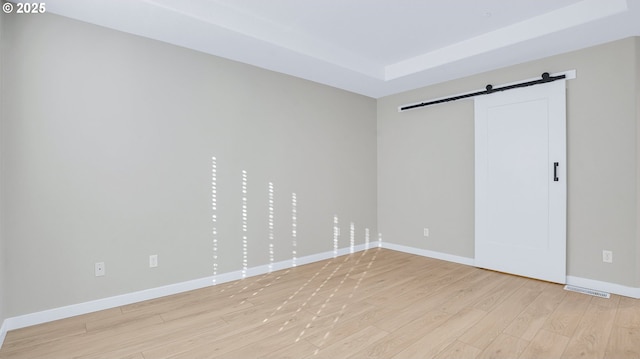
x=431 y=254
x=139 y=296
x=3 y=332
x=604 y=286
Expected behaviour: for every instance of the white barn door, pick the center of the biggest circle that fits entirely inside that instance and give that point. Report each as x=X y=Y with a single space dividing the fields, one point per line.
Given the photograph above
x=520 y=188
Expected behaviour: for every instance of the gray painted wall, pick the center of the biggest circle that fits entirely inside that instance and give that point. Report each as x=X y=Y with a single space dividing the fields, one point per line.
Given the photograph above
x=426 y=162
x=108 y=140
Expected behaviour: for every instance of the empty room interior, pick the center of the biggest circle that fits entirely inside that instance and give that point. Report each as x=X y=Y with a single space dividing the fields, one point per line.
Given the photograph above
x=320 y=179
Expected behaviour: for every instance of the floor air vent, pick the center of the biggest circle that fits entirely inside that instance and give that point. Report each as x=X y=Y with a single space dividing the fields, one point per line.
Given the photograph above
x=595 y=293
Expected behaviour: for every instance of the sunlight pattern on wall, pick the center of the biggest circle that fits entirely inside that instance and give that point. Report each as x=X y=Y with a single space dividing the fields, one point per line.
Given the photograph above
x=294 y=228
x=366 y=238
x=336 y=236
x=271 y=232
x=271 y=226
x=244 y=225
x=214 y=215
x=352 y=237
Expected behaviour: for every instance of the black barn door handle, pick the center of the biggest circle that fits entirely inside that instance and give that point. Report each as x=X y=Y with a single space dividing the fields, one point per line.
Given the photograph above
x=555 y=171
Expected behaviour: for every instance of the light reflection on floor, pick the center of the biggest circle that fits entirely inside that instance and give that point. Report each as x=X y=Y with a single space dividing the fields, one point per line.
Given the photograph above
x=346 y=301
x=296 y=292
x=315 y=292
x=328 y=299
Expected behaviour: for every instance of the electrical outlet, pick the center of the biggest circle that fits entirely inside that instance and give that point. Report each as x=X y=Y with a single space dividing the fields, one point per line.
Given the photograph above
x=426 y=232
x=100 y=269
x=153 y=261
x=607 y=256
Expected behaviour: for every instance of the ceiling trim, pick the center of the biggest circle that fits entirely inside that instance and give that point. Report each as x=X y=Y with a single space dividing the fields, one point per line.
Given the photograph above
x=551 y=22
x=214 y=13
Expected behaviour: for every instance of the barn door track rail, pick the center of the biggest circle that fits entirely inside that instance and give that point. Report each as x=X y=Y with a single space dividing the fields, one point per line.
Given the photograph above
x=489 y=89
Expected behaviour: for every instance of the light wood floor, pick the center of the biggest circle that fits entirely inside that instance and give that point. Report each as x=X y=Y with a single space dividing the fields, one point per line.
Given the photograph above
x=373 y=304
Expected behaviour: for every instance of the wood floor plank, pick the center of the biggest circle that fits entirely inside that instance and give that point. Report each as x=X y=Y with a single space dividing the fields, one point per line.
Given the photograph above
x=293 y=351
x=374 y=304
x=331 y=328
x=404 y=336
x=348 y=291
x=491 y=326
x=592 y=334
x=545 y=344
x=470 y=292
x=459 y=350
x=422 y=286
x=128 y=320
x=504 y=347
x=47 y=332
x=425 y=301
x=438 y=339
x=234 y=339
x=564 y=320
x=98 y=341
x=528 y=323
x=390 y=319
x=19 y=339
x=166 y=334
x=628 y=313
x=133 y=356
x=211 y=307
x=184 y=343
x=437 y=297
x=624 y=343
x=494 y=298
x=350 y=345
x=266 y=345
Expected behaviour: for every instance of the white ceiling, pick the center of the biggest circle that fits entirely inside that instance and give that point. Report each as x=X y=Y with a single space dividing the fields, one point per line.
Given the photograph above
x=372 y=47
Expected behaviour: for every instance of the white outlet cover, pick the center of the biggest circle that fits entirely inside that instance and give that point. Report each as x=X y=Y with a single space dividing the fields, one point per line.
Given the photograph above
x=153 y=261
x=100 y=269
